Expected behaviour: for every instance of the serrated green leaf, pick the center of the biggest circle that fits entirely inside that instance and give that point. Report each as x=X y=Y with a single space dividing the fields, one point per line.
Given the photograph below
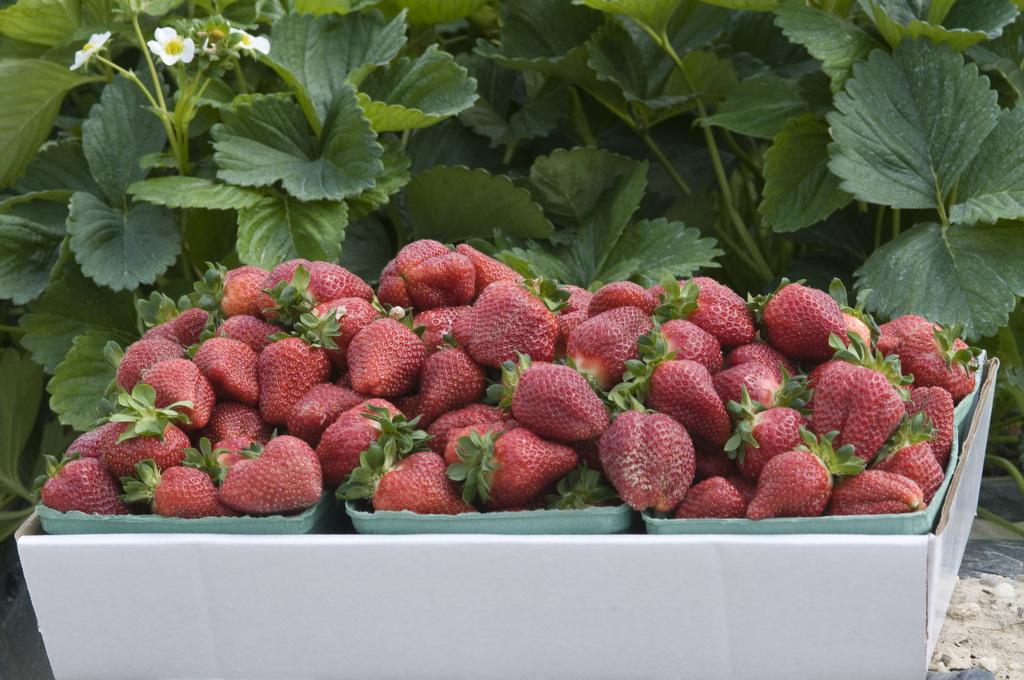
x=41 y=22
x=760 y=106
x=450 y=143
x=969 y=275
x=79 y=388
x=537 y=261
x=31 y=91
x=30 y=238
x=622 y=53
x=416 y=93
x=395 y=176
x=315 y=55
x=799 y=190
x=59 y=165
x=70 y=305
x=425 y=12
x=21 y=383
x=755 y=5
x=992 y=187
x=957 y=23
x=114 y=156
x=991 y=60
x=266 y=139
x=319 y=7
x=834 y=41
x=367 y=248
x=280 y=228
x=654 y=14
x=538 y=34
x=459 y=203
x=896 y=142
x=649 y=249
x=193 y=192
x=568 y=183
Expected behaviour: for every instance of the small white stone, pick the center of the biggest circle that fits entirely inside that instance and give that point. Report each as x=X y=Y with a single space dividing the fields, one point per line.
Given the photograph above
x=940 y=667
x=1004 y=591
x=955 y=662
x=991 y=580
x=989 y=663
x=965 y=610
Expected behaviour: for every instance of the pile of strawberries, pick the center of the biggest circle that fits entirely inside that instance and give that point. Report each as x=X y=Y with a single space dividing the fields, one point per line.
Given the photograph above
x=461 y=386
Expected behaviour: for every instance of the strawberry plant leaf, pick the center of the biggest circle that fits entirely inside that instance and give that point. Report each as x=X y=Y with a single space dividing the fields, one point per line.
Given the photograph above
x=122 y=247
x=961 y=274
x=539 y=34
x=568 y=183
x=992 y=188
x=759 y=106
x=319 y=7
x=367 y=248
x=654 y=14
x=59 y=165
x=395 y=176
x=41 y=22
x=81 y=387
x=622 y=53
x=437 y=11
x=415 y=93
x=957 y=23
x=834 y=41
x=650 y=248
x=799 y=190
x=450 y=143
x=30 y=238
x=265 y=139
x=459 y=203
x=193 y=192
x=898 y=144
x=537 y=261
x=280 y=228
x=22 y=384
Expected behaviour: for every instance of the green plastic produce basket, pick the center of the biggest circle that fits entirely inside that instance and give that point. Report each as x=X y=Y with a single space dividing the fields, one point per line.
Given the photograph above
x=907 y=523
x=74 y=522
x=602 y=520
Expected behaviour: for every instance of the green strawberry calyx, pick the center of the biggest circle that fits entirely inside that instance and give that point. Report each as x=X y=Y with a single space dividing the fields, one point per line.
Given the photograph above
x=141 y=487
x=837 y=291
x=965 y=356
x=912 y=430
x=376 y=461
x=145 y=418
x=403 y=431
x=207 y=459
x=477 y=465
x=158 y=309
x=793 y=392
x=582 y=488
x=501 y=393
x=859 y=354
x=547 y=291
x=208 y=291
x=291 y=299
x=631 y=392
x=319 y=330
x=744 y=412
x=677 y=302
x=841 y=462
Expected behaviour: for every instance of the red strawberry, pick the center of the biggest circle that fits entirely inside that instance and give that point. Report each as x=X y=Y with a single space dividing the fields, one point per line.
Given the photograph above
x=649 y=459
x=429 y=275
x=353 y=431
x=578 y=300
x=798 y=483
x=81 y=484
x=451 y=449
x=600 y=346
x=488 y=270
x=589 y=452
x=248 y=329
x=857 y=321
x=418 y=483
x=441 y=321
x=717 y=497
x=229 y=420
x=287 y=369
x=690 y=341
x=856 y=326
x=711 y=462
x=145 y=431
x=242 y=288
x=318 y=408
x=760 y=353
x=939 y=358
x=508 y=318
x=450 y=379
x=937 y=404
x=875 y=492
x=622 y=294
x=282 y=273
x=509 y=469
x=891 y=333
x=143 y=354
x=761 y=434
x=93 y=443
x=799 y=322
x=760 y=382
x=183 y=329
x=684 y=390
x=177 y=492
x=470 y=415
x=385 y=358
x=567 y=323
x=710 y=305
x=554 y=401
x=230 y=367
x=352 y=314
x=179 y=380
x=233 y=446
x=285 y=477
x=329 y=281
x=909 y=453
x=409 y=405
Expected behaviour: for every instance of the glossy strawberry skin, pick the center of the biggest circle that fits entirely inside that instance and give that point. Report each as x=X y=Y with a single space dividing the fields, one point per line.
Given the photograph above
x=93 y=443
x=419 y=483
x=318 y=408
x=685 y=390
x=242 y=289
x=859 y=403
x=230 y=367
x=579 y=300
x=777 y=430
x=717 y=498
x=189 y=493
x=329 y=281
x=601 y=345
x=287 y=369
x=282 y=272
x=622 y=294
x=567 y=323
x=353 y=315
x=649 y=458
x=184 y=329
x=712 y=462
x=349 y=435
x=429 y=275
x=527 y=465
x=180 y=380
x=285 y=478
x=120 y=460
x=792 y=484
x=385 y=359
x=442 y=321
x=86 y=486
x=450 y=379
x=230 y=419
x=854 y=326
x=918 y=463
x=921 y=357
x=143 y=354
x=760 y=353
x=455 y=420
x=558 y=403
x=720 y=312
x=875 y=492
x=891 y=333
x=758 y=379
x=488 y=270
x=391 y=290
x=937 y=404
x=690 y=341
x=248 y=329
x=507 y=319
x=799 y=320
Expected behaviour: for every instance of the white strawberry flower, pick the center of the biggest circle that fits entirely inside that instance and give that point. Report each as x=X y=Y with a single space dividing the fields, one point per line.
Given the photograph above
x=95 y=44
x=252 y=43
x=170 y=47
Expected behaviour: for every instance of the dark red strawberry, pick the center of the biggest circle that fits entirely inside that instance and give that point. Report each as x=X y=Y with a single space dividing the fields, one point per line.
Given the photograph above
x=242 y=289
x=428 y=274
x=180 y=381
x=391 y=289
x=143 y=354
x=81 y=484
x=385 y=358
x=145 y=431
x=417 y=483
x=799 y=321
x=184 y=329
x=470 y=415
x=909 y=453
x=891 y=333
x=710 y=305
x=329 y=281
x=685 y=390
x=318 y=408
x=937 y=404
x=649 y=459
x=578 y=300
x=287 y=369
x=248 y=329
x=718 y=498
x=93 y=443
x=622 y=294
x=409 y=405
x=509 y=469
x=508 y=318
x=440 y=322
x=761 y=434
x=352 y=315
x=355 y=430
x=875 y=492
x=450 y=379
x=760 y=353
x=230 y=367
x=711 y=462
x=690 y=341
x=285 y=477
x=600 y=346
x=177 y=492
x=589 y=452
x=488 y=270
x=230 y=419
x=567 y=323
x=939 y=358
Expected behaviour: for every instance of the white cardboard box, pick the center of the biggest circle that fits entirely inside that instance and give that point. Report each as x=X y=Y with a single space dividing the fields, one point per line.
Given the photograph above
x=813 y=607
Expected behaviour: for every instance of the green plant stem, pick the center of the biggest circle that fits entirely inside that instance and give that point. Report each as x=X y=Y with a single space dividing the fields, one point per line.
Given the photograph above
x=579 y=118
x=879 y=220
x=243 y=84
x=172 y=138
x=510 y=151
x=895 y=222
x=996 y=519
x=665 y=162
x=12 y=330
x=1009 y=467
x=738 y=151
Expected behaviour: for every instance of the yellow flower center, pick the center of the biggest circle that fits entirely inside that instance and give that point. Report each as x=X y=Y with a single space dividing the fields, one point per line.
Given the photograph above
x=87 y=47
x=174 y=46
x=246 y=39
